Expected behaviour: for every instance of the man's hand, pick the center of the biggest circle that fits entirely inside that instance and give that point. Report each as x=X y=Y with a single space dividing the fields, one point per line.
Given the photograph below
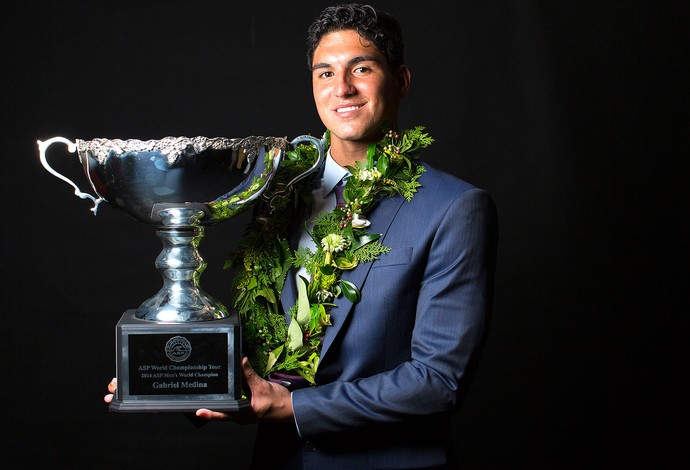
x=269 y=401
x=112 y=386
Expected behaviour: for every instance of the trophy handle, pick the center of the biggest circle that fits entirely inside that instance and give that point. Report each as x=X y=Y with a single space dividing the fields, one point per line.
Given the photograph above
x=320 y=146
x=72 y=147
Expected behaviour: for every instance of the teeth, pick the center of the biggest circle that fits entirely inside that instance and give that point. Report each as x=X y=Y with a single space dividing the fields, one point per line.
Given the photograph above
x=344 y=110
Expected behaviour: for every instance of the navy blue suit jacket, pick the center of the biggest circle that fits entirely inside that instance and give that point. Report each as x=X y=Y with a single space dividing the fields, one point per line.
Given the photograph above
x=395 y=365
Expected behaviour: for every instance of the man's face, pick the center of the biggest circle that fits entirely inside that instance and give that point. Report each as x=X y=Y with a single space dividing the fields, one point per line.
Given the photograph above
x=354 y=90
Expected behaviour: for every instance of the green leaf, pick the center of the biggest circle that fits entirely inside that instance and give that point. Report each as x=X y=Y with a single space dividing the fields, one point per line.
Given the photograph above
x=350 y=291
x=348 y=233
x=364 y=239
x=346 y=263
x=382 y=164
x=371 y=251
x=295 y=336
x=268 y=294
x=352 y=192
x=312 y=289
x=371 y=152
x=327 y=270
x=302 y=316
x=273 y=358
x=317 y=312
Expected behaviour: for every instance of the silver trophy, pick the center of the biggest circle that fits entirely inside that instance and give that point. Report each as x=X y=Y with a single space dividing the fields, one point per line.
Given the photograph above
x=180 y=350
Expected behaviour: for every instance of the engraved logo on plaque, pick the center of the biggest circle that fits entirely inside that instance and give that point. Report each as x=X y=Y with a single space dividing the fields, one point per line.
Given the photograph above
x=178 y=349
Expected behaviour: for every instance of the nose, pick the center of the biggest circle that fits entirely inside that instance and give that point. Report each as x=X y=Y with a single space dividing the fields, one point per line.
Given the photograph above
x=344 y=86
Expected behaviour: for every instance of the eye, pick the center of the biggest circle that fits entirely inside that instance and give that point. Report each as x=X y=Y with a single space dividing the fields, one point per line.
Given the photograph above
x=362 y=69
x=326 y=74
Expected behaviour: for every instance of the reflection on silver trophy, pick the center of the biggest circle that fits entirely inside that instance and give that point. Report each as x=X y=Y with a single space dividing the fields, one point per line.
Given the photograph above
x=179 y=350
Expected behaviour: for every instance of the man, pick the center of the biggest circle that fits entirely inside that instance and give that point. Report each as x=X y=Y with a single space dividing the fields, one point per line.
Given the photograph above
x=396 y=364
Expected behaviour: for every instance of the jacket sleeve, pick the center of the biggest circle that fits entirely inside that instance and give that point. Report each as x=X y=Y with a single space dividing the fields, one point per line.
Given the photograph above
x=450 y=321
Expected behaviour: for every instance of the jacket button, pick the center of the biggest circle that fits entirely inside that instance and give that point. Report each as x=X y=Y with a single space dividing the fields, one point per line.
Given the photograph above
x=310 y=446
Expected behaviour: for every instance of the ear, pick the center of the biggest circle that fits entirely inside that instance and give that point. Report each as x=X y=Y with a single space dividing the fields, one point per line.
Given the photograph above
x=402 y=77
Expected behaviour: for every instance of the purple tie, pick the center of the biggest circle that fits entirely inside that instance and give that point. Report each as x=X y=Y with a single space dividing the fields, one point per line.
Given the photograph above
x=339 y=201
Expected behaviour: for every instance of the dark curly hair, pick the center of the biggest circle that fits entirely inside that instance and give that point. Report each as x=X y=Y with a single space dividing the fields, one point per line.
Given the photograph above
x=379 y=27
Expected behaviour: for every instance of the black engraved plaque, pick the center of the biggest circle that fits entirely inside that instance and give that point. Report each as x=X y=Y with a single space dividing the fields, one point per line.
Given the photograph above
x=174 y=364
x=178 y=366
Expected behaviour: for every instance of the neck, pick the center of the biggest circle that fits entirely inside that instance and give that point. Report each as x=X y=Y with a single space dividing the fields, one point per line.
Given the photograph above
x=347 y=153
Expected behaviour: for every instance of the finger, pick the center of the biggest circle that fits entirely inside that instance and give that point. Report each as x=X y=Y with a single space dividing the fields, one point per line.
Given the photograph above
x=108 y=398
x=208 y=414
x=112 y=386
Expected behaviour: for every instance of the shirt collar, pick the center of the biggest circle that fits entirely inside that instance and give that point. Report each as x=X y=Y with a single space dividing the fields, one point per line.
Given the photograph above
x=332 y=174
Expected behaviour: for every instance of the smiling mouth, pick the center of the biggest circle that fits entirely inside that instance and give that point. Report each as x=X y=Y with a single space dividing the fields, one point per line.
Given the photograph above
x=349 y=108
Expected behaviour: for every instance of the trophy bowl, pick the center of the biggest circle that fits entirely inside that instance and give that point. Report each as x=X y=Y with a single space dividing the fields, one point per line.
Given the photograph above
x=179 y=349
x=218 y=176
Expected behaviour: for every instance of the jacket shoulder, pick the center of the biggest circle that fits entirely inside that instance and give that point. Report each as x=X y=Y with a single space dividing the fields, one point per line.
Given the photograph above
x=445 y=185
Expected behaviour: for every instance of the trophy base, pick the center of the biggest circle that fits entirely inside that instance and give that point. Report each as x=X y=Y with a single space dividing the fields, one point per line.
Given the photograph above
x=153 y=406
x=178 y=367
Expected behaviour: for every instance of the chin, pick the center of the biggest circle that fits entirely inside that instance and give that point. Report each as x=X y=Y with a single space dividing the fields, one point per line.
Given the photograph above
x=357 y=135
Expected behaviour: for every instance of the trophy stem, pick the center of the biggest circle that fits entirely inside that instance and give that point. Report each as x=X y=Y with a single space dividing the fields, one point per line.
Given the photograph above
x=180 y=264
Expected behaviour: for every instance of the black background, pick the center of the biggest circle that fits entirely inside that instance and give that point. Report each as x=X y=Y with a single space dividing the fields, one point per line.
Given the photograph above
x=573 y=115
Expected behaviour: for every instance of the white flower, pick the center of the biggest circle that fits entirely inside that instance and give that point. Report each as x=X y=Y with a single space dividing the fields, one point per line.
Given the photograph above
x=333 y=243
x=359 y=222
x=369 y=175
x=324 y=296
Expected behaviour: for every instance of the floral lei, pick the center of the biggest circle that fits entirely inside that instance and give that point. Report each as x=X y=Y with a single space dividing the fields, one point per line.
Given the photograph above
x=264 y=258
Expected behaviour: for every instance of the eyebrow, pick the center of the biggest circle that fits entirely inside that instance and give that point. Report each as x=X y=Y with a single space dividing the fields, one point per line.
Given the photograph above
x=354 y=60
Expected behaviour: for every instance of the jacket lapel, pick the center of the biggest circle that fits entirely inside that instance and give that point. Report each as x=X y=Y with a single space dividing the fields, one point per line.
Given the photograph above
x=381 y=218
x=288 y=296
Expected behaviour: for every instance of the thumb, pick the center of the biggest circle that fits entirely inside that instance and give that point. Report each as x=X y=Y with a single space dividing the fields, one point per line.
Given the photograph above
x=248 y=371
